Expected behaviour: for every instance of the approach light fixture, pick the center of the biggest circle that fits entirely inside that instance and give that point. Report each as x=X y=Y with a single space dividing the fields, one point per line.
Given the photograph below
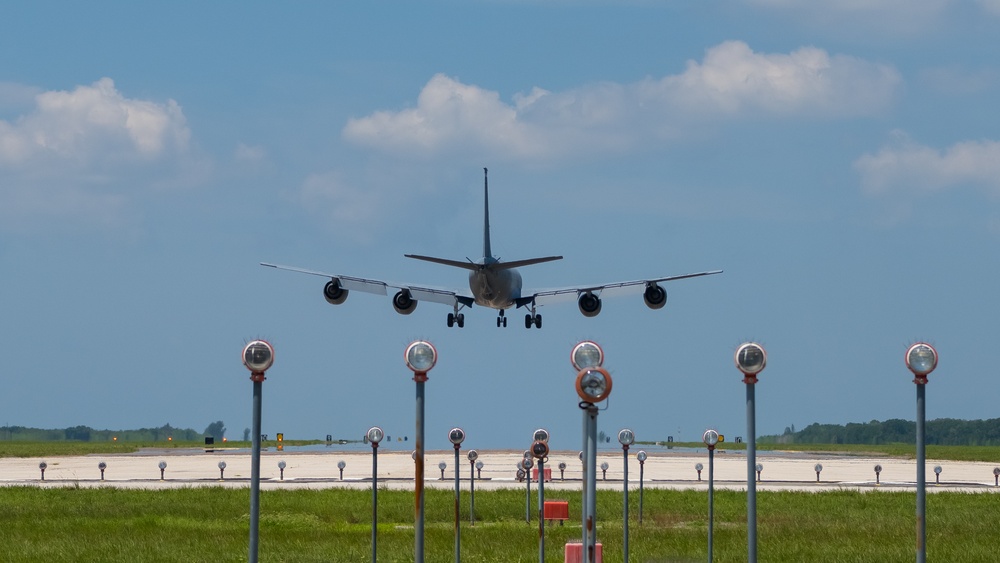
x=750 y=358
x=375 y=435
x=587 y=354
x=921 y=359
x=421 y=357
x=593 y=384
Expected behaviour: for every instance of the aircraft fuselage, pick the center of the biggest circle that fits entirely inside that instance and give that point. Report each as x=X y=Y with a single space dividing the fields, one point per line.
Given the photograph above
x=495 y=288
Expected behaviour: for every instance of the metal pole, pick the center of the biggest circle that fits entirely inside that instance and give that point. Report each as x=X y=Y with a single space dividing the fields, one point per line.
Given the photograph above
x=472 y=493
x=711 y=498
x=625 y=494
x=751 y=472
x=921 y=479
x=642 y=466
x=418 y=485
x=584 y=480
x=541 y=510
x=527 y=497
x=374 y=497
x=255 y=468
x=590 y=524
x=458 y=532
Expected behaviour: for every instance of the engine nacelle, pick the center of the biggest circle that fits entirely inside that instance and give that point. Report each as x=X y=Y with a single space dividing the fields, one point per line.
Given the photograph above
x=590 y=304
x=403 y=302
x=334 y=294
x=655 y=296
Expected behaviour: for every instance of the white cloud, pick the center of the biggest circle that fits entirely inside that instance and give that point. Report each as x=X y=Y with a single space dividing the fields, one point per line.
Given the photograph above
x=92 y=124
x=731 y=82
x=908 y=166
x=84 y=154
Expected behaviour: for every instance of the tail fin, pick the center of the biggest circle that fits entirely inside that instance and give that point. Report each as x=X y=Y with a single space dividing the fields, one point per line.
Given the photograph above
x=487 y=251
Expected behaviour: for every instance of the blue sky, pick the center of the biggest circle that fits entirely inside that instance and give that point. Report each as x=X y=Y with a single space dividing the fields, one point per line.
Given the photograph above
x=839 y=160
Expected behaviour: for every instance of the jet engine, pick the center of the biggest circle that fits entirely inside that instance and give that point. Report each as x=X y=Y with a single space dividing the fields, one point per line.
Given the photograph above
x=403 y=302
x=590 y=304
x=655 y=296
x=335 y=295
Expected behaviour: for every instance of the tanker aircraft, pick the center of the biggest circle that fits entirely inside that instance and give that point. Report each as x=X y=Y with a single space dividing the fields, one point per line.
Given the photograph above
x=492 y=284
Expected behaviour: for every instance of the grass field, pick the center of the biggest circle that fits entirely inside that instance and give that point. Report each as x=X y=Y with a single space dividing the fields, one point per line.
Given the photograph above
x=211 y=524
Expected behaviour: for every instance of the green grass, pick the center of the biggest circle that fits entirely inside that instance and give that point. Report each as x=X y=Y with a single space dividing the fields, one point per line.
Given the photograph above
x=211 y=524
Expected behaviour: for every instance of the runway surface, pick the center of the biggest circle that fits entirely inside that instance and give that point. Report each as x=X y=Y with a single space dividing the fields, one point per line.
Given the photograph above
x=663 y=469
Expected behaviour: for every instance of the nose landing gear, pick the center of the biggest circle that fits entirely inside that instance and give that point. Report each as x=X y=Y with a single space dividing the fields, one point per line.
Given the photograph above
x=501 y=320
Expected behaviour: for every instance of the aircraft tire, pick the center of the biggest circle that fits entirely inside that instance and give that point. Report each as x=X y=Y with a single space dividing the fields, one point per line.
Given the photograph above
x=451 y=320
x=538 y=321
x=527 y=321
x=460 y=319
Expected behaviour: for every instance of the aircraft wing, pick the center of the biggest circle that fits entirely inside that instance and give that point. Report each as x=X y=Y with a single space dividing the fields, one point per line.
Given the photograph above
x=613 y=289
x=448 y=297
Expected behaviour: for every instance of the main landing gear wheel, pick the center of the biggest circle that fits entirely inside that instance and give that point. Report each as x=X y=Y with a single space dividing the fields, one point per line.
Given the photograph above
x=530 y=319
x=454 y=319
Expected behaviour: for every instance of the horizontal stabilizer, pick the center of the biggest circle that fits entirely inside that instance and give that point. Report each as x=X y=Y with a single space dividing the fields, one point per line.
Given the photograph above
x=528 y=262
x=445 y=261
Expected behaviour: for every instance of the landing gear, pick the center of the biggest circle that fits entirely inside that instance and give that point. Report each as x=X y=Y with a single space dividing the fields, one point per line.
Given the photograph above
x=501 y=320
x=532 y=318
x=456 y=319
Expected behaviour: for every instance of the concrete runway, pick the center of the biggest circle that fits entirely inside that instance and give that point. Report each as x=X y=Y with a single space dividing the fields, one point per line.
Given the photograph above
x=662 y=469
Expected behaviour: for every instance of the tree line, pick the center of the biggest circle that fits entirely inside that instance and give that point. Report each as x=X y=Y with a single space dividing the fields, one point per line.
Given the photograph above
x=88 y=434
x=941 y=431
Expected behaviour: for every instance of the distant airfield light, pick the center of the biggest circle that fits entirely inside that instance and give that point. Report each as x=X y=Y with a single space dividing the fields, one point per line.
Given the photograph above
x=442 y=466
x=604 y=469
x=937 y=474
x=698 y=467
x=375 y=435
x=759 y=468
x=626 y=437
x=102 y=466
x=562 y=470
x=479 y=469
x=540 y=435
x=587 y=354
x=42 y=467
x=641 y=456
x=996 y=476
x=818 y=468
x=163 y=467
x=115 y=439
x=222 y=470
x=878 y=471
x=281 y=468
x=711 y=438
x=341 y=465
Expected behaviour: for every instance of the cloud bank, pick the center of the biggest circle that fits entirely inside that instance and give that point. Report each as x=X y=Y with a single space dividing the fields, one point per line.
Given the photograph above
x=904 y=165
x=83 y=153
x=731 y=82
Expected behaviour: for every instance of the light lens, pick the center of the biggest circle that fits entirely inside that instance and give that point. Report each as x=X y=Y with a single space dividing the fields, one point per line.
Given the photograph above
x=641 y=456
x=421 y=356
x=541 y=435
x=750 y=358
x=456 y=436
x=258 y=356
x=921 y=358
x=711 y=438
x=587 y=354
x=593 y=384
x=626 y=437
x=375 y=434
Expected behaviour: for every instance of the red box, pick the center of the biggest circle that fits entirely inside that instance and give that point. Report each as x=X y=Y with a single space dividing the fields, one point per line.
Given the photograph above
x=547 y=474
x=574 y=553
x=556 y=510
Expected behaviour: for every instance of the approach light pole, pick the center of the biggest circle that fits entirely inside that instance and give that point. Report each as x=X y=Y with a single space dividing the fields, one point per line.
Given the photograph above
x=625 y=437
x=750 y=359
x=258 y=356
x=456 y=436
x=921 y=359
x=473 y=455
x=641 y=457
x=540 y=451
x=420 y=358
x=374 y=435
x=593 y=385
x=711 y=438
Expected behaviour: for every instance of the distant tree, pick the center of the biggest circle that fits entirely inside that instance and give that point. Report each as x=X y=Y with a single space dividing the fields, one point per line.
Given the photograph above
x=81 y=433
x=246 y=434
x=217 y=430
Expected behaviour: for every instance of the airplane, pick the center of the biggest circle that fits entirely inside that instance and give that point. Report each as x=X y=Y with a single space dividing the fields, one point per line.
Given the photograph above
x=492 y=284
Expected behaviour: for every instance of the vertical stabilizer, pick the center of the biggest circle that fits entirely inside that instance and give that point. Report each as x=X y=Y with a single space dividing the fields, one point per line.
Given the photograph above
x=487 y=252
